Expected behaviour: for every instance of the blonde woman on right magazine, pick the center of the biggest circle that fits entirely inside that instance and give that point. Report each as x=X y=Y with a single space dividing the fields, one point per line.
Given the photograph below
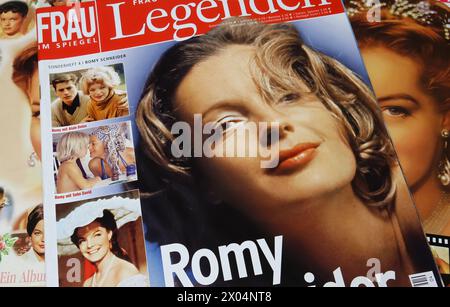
x=408 y=61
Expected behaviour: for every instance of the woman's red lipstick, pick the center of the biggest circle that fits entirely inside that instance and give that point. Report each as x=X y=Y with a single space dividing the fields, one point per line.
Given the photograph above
x=296 y=157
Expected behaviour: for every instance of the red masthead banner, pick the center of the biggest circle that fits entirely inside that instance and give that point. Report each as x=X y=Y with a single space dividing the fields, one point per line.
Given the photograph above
x=107 y=25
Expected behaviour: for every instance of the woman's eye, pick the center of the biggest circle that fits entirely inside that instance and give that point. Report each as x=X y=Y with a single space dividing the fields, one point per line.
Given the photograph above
x=396 y=111
x=228 y=123
x=36 y=114
x=289 y=98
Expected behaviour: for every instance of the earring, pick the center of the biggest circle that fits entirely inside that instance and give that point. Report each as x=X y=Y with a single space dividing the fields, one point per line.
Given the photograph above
x=32 y=159
x=444 y=164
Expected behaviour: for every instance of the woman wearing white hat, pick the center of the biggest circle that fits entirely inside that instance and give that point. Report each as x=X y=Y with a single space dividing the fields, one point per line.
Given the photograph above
x=93 y=228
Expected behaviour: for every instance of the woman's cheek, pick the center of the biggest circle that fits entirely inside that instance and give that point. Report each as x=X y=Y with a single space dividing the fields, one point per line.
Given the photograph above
x=416 y=146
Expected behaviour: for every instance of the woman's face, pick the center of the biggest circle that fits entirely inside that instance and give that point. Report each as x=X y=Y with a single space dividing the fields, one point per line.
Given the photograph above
x=93 y=241
x=96 y=147
x=411 y=115
x=315 y=158
x=38 y=238
x=98 y=91
x=11 y=23
x=35 y=128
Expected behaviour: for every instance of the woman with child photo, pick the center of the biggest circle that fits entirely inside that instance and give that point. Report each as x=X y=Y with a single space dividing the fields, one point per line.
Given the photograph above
x=110 y=155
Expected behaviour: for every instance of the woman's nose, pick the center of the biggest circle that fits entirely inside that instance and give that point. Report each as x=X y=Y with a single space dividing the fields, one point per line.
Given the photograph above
x=275 y=132
x=89 y=242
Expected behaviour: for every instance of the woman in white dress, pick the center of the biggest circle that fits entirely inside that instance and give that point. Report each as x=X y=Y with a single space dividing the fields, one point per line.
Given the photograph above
x=97 y=242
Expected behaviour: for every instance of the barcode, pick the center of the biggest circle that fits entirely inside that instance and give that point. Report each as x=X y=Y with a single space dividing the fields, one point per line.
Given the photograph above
x=425 y=279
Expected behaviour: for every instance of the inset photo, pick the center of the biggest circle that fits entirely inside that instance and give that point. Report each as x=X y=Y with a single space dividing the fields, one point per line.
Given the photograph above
x=101 y=242
x=441 y=252
x=16 y=19
x=94 y=157
x=88 y=95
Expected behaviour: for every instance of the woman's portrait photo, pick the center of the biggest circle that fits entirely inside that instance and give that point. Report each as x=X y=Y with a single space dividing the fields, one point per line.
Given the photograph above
x=16 y=19
x=337 y=195
x=407 y=55
x=20 y=88
x=409 y=66
x=26 y=259
x=94 y=157
x=88 y=95
x=20 y=169
x=101 y=244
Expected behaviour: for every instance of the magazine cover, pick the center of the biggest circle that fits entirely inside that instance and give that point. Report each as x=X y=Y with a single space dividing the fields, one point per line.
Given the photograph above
x=22 y=241
x=406 y=49
x=218 y=143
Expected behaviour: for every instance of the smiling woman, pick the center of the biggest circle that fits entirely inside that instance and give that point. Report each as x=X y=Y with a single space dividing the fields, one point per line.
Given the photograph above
x=337 y=177
x=91 y=229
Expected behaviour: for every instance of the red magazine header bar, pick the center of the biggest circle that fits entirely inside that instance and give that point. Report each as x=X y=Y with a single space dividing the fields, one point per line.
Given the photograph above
x=106 y=25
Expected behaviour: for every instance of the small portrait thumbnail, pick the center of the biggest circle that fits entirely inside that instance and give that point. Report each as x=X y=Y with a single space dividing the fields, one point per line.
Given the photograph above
x=89 y=95
x=101 y=242
x=93 y=157
x=16 y=19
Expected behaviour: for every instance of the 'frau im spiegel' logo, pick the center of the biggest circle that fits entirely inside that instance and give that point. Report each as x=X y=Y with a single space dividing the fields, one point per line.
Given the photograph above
x=68 y=31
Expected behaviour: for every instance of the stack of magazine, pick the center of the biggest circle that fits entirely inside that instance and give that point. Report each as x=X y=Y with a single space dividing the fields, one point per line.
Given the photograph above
x=214 y=143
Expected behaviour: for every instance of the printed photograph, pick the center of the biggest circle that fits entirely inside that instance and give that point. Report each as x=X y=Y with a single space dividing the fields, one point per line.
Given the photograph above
x=94 y=157
x=101 y=243
x=20 y=169
x=440 y=248
x=337 y=175
x=406 y=52
x=22 y=253
x=441 y=256
x=90 y=95
x=16 y=19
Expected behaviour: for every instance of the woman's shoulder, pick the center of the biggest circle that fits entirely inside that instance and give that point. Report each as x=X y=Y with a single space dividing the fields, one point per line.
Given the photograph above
x=129 y=276
x=126 y=269
x=95 y=164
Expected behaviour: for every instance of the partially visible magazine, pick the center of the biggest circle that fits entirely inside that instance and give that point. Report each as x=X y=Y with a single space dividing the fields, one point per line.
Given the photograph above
x=406 y=48
x=218 y=143
x=22 y=240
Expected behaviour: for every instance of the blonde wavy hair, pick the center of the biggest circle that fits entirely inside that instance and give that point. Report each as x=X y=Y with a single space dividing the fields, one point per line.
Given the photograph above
x=105 y=75
x=71 y=145
x=281 y=60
